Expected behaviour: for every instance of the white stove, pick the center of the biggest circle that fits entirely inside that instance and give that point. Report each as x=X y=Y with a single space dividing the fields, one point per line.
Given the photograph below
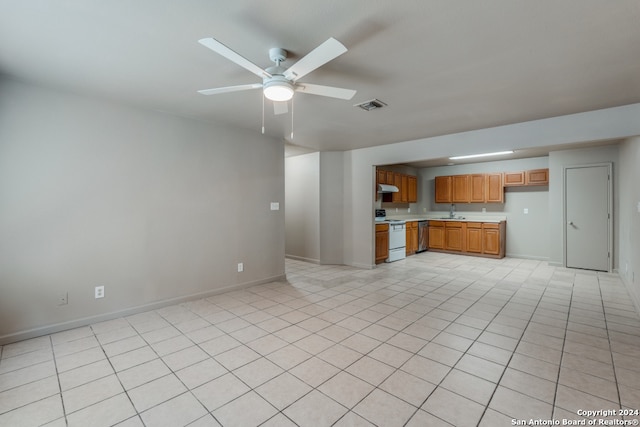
x=397 y=240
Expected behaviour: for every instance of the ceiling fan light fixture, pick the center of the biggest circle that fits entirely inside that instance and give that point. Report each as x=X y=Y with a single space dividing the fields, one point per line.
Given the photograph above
x=278 y=90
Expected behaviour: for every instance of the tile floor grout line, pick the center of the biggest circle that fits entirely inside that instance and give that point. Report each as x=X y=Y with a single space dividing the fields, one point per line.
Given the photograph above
x=55 y=365
x=564 y=342
x=606 y=325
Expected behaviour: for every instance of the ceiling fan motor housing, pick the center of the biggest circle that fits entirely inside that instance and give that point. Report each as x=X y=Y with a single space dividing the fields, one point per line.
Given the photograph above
x=277 y=55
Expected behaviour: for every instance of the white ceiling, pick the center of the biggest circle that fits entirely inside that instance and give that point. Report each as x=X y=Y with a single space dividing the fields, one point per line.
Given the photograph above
x=441 y=66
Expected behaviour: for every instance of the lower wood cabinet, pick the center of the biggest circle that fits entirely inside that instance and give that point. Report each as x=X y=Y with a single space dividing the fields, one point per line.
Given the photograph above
x=382 y=242
x=492 y=241
x=436 y=234
x=471 y=238
x=453 y=236
x=474 y=237
x=412 y=237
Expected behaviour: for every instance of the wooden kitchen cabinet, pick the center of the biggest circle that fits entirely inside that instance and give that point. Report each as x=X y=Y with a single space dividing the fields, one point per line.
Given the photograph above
x=397 y=181
x=494 y=190
x=537 y=177
x=491 y=239
x=436 y=234
x=470 y=188
x=443 y=189
x=477 y=188
x=486 y=239
x=382 y=242
x=528 y=177
x=460 y=189
x=381 y=176
x=453 y=236
x=412 y=237
x=407 y=186
x=513 y=178
x=474 y=237
x=412 y=184
x=404 y=188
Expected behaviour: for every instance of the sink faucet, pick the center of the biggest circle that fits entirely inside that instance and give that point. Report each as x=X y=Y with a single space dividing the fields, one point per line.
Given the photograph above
x=452 y=212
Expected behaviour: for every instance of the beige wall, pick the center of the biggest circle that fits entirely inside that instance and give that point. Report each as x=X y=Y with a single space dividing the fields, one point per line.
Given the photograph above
x=156 y=208
x=558 y=160
x=314 y=207
x=629 y=216
x=302 y=207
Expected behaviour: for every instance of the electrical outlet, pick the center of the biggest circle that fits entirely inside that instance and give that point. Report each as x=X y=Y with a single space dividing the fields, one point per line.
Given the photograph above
x=484 y=210
x=99 y=292
x=275 y=206
x=63 y=298
x=240 y=267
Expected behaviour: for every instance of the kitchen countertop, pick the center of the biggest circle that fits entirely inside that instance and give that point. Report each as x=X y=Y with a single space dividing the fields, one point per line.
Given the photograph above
x=445 y=217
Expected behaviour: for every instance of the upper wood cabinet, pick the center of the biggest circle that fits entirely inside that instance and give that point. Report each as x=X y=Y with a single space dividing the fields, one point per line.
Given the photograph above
x=397 y=181
x=407 y=184
x=473 y=188
x=443 y=189
x=477 y=193
x=513 y=178
x=494 y=190
x=413 y=188
x=529 y=177
x=537 y=177
x=460 y=189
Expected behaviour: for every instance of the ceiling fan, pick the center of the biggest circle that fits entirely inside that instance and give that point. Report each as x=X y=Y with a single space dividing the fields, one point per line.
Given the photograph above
x=279 y=83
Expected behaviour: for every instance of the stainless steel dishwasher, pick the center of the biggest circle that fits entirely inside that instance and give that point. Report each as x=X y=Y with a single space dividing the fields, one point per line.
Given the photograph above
x=423 y=235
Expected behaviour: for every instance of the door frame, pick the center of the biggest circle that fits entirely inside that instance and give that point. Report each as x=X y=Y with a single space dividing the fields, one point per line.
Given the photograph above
x=609 y=166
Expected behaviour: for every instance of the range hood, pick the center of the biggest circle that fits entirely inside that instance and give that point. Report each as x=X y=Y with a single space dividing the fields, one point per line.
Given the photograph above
x=384 y=188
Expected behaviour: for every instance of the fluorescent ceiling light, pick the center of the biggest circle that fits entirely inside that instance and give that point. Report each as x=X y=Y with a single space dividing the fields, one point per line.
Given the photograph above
x=470 y=156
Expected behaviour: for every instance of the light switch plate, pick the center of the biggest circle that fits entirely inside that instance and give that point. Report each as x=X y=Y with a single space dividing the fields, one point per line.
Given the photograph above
x=275 y=206
x=526 y=211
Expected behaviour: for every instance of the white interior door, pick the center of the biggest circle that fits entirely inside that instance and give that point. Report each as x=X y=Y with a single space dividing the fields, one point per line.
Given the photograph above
x=588 y=217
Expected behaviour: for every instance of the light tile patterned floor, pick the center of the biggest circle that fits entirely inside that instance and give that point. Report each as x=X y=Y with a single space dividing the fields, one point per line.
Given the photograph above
x=433 y=340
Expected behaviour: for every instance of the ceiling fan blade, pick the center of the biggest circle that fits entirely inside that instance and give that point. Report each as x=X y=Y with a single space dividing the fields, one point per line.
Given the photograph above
x=231 y=55
x=218 y=90
x=319 y=56
x=280 y=107
x=333 y=92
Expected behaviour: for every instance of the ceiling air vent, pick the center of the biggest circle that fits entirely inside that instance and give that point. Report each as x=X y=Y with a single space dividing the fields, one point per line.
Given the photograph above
x=372 y=104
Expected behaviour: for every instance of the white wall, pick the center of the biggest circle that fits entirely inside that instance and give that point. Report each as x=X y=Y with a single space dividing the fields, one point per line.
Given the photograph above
x=612 y=123
x=527 y=234
x=154 y=207
x=302 y=207
x=629 y=217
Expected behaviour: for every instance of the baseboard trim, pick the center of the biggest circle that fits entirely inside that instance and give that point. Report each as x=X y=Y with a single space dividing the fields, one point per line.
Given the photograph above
x=301 y=258
x=77 y=323
x=524 y=256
